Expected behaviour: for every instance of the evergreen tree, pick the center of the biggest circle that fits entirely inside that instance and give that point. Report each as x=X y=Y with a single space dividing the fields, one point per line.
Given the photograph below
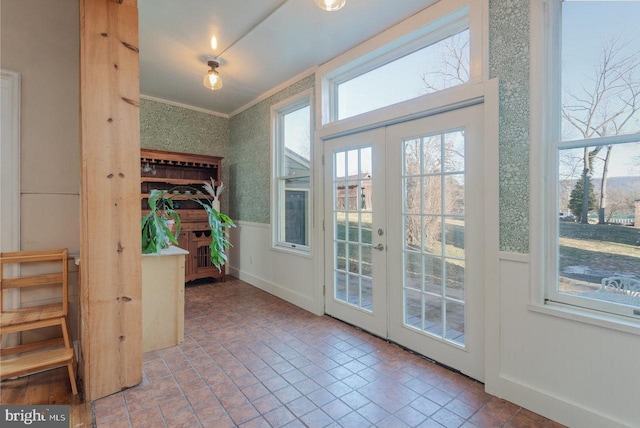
x=575 y=199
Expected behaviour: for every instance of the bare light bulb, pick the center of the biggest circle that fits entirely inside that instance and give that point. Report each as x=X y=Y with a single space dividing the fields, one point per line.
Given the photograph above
x=330 y=5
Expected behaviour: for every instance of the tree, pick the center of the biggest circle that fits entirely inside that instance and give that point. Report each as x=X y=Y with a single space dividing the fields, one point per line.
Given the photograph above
x=577 y=201
x=607 y=104
x=453 y=67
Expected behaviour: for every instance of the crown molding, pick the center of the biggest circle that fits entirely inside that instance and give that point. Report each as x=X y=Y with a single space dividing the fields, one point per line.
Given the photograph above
x=274 y=91
x=186 y=106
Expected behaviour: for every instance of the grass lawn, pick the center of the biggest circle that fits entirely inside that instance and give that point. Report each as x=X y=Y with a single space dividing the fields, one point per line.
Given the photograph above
x=608 y=249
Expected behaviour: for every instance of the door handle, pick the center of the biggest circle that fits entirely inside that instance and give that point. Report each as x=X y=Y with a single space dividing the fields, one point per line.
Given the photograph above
x=379 y=247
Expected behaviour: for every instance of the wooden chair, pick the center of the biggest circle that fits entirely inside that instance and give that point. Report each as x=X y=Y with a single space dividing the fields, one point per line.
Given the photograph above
x=45 y=354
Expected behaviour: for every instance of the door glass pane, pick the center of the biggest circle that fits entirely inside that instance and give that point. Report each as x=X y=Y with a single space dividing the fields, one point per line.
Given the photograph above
x=367 y=293
x=412 y=155
x=354 y=290
x=454 y=194
x=341 y=251
x=353 y=219
x=413 y=308
x=340 y=223
x=365 y=228
x=340 y=166
x=432 y=153
x=454 y=237
x=455 y=322
x=353 y=228
x=366 y=268
x=433 y=308
x=432 y=203
x=412 y=232
x=453 y=151
x=340 y=286
x=413 y=270
x=433 y=274
x=412 y=195
x=455 y=278
x=434 y=232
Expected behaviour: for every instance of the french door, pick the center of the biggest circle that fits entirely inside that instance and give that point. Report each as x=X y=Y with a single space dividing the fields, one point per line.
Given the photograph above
x=355 y=238
x=404 y=242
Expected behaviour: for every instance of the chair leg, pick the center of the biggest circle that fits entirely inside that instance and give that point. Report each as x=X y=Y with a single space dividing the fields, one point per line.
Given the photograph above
x=72 y=377
x=66 y=334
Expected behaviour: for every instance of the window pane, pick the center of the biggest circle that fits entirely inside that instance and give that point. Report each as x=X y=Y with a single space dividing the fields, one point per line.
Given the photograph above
x=599 y=223
x=412 y=157
x=454 y=151
x=292 y=171
x=295 y=209
x=297 y=142
x=439 y=66
x=600 y=68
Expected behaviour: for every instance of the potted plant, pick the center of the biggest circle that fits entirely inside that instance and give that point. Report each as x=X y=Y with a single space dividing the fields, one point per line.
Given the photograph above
x=218 y=223
x=157 y=230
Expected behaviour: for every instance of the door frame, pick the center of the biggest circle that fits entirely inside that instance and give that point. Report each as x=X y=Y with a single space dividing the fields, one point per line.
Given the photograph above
x=468 y=358
x=486 y=93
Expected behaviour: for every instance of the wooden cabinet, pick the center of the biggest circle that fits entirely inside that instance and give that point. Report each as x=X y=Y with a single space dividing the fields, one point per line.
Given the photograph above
x=182 y=175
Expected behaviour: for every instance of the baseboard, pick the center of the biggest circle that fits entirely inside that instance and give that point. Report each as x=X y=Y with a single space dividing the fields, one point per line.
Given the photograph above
x=275 y=289
x=555 y=408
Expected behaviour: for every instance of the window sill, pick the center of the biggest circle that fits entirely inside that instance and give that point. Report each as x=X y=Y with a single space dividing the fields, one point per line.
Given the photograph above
x=302 y=251
x=587 y=316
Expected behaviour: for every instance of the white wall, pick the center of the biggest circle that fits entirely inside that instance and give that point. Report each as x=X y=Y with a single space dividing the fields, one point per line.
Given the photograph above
x=578 y=374
x=283 y=274
x=40 y=40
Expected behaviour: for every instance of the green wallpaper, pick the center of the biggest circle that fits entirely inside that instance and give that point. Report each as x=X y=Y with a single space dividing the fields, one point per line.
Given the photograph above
x=509 y=61
x=250 y=157
x=168 y=127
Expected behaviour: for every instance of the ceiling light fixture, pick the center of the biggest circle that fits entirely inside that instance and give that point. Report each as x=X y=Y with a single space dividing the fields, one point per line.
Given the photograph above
x=330 y=5
x=213 y=80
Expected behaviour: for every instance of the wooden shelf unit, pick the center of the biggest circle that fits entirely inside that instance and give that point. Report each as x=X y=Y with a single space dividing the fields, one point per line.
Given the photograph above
x=172 y=171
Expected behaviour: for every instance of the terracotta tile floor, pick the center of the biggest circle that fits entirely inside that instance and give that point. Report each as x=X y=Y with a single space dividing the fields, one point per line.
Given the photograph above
x=250 y=359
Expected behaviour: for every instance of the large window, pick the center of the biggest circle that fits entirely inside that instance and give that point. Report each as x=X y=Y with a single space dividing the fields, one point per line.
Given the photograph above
x=438 y=66
x=594 y=154
x=431 y=58
x=292 y=173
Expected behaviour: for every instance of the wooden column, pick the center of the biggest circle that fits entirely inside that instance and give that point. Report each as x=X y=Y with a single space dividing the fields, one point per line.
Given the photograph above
x=111 y=290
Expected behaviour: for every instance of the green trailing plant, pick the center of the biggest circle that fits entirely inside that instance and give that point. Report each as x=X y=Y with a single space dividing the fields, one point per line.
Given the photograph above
x=156 y=233
x=219 y=224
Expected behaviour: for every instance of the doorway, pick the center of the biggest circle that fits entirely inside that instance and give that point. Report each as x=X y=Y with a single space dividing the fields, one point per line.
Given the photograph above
x=404 y=235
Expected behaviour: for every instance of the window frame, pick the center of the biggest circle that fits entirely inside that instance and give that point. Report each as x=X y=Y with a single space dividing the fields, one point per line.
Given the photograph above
x=433 y=24
x=277 y=114
x=546 y=143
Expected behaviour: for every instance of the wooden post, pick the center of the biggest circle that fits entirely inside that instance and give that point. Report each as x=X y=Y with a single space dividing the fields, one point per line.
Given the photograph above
x=111 y=290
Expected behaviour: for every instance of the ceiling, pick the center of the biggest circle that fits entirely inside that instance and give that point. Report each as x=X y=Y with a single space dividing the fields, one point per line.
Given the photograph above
x=261 y=43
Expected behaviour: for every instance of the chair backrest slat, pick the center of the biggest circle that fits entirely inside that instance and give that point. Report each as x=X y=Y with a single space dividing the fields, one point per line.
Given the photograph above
x=47 y=279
